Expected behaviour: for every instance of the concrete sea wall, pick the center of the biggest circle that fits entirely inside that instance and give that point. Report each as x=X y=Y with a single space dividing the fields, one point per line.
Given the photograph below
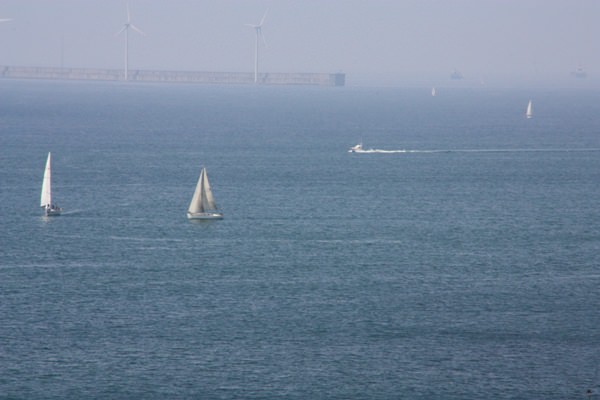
x=239 y=78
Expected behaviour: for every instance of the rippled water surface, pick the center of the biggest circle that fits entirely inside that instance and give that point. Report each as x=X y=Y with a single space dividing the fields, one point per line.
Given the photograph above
x=465 y=266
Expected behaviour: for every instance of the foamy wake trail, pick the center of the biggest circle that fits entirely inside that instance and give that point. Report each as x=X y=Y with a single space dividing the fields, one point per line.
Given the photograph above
x=380 y=151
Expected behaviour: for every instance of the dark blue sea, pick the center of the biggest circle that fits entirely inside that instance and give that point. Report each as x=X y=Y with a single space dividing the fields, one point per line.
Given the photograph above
x=467 y=267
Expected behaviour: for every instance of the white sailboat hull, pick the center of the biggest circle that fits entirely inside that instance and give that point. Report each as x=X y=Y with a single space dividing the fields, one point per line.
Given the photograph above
x=52 y=211
x=205 y=215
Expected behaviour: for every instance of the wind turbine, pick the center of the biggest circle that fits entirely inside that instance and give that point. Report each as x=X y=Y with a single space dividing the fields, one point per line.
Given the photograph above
x=126 y=28
x=259 y=34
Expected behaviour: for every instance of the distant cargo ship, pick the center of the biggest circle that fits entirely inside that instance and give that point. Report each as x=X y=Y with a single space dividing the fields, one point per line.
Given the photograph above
x=579 y=73
x=456 y=75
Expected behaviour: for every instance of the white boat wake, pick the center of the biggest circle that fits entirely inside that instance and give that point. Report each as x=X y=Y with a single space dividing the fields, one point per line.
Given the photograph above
x=370 y=151
x=359 y=150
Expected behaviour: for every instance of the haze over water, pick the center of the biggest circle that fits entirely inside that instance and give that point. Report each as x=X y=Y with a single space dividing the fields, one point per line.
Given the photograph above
x=417 y=43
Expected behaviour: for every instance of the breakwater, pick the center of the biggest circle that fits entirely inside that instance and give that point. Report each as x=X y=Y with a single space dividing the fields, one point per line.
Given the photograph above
x=223 y=78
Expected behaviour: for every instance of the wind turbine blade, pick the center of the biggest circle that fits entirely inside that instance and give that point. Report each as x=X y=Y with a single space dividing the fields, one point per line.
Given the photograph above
x=121 y=31
x=128 y=14
x=251 y=25
x=263 y=39
x=5 y=19
x=262 y=21
x=138 y=30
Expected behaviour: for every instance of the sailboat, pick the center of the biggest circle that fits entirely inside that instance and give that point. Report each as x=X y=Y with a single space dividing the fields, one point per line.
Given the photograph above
x=203 y=204
x=433 y=92
x=529 y=112
x=50 y=209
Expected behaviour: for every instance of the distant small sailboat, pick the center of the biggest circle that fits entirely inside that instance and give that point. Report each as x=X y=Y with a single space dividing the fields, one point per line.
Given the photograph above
x=50 y=209
x=529 y=112
x=433 y=92
x=203 y=204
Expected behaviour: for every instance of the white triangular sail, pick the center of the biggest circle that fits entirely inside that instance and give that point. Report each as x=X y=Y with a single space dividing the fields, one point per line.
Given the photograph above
x=208 y=201
x=529 y=112
x=46 y=198
x=203 y=200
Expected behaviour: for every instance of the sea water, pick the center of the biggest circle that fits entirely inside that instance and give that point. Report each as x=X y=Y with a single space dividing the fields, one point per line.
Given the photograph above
x=466 y=267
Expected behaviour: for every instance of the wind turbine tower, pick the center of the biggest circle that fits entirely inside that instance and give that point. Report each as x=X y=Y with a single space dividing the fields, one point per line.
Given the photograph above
x=128 y=25
x=259 y=35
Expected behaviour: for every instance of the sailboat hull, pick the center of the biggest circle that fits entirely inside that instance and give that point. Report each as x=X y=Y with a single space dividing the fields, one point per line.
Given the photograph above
x=52 y=211
x=205 y=215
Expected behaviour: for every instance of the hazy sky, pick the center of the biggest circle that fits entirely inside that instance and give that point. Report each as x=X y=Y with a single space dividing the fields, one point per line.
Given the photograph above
x=386 y=41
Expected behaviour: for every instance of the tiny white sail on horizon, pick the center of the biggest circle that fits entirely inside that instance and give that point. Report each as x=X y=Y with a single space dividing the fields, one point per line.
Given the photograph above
x=203 y=205
x=433 y=92
x=529 y=112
